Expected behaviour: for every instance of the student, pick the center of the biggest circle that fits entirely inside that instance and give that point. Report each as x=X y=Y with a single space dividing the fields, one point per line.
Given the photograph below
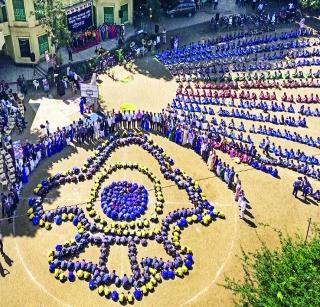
x=243 y=205
x=164 y=36
x=297 y=186
x=306 y=187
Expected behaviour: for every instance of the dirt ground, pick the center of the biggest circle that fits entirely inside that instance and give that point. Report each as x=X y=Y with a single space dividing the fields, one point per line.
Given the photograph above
x=216 y=248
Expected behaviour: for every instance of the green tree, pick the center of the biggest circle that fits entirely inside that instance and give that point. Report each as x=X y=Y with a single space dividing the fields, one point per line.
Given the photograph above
x=287 y=276
x=51 y=14
x=310 y=4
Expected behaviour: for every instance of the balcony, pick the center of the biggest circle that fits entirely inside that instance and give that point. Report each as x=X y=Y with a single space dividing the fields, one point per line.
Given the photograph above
x=4 y=28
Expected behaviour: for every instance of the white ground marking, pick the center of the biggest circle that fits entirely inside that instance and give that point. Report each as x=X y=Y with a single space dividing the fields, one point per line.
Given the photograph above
x=29 y=273
x=215 y=204
x=122 y=247
x=205 y=289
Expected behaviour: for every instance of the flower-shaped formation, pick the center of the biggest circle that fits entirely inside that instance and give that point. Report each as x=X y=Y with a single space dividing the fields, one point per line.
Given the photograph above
x=124 y=200
x=125 y=203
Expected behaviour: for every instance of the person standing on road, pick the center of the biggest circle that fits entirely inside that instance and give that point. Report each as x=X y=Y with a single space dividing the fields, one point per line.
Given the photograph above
x=198 y=5
x=215 y=4
x=164 y=36
x=70 y=53
x=254 y=2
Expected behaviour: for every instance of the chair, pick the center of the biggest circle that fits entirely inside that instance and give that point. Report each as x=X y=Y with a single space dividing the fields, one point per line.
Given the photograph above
x=36 y=84
x=65 y=81
x=3 y=180
x=20 y=96
x=12 y=178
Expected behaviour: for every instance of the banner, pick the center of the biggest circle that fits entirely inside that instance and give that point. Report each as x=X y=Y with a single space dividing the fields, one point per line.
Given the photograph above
x=79 y=17
x=89 y=90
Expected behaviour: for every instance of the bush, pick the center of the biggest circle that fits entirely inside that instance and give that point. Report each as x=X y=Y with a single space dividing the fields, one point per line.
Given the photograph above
x=310 y=4
x=287 y=276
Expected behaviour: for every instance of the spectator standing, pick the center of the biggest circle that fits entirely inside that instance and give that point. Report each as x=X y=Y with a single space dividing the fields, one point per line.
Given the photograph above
x=306 y=187
x=164 y=36
x=47 y=126
x=215 y=4
x=254 y=2
x=297 y=185
x=70 y=53
x=243 y=205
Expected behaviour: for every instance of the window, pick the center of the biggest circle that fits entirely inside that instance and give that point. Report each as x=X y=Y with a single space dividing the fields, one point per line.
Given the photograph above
x=24 y=45
x=38 y=10
x=4 y=14
x=108 y=15
x=124 y=9
x=18 y=10
x=43 y=44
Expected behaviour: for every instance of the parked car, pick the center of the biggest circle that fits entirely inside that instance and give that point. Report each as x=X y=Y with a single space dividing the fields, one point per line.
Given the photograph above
x=185 y=8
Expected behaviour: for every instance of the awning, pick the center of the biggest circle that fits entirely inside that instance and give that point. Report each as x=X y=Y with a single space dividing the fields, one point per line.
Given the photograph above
x=2 y=41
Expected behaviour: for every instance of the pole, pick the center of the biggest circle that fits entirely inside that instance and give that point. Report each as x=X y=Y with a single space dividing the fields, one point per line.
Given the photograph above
x=309 y=222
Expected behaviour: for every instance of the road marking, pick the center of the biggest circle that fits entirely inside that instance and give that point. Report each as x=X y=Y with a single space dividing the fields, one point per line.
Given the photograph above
x=205 y=289
x=29 y=273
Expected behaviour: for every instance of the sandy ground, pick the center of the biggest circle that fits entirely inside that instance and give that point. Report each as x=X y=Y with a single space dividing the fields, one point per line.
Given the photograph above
x=216 y=248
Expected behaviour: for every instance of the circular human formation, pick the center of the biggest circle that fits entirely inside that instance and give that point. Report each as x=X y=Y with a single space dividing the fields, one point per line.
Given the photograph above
x=99 y=231
x=123 y=200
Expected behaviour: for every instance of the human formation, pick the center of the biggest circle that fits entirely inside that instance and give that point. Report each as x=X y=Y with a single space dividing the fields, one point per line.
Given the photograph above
x=126 y=225
x=227 y=95
x=228 y=88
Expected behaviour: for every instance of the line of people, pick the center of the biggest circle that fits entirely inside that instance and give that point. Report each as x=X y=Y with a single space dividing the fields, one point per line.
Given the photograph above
x=303 y=185
x=209 y=50
x=9 y=201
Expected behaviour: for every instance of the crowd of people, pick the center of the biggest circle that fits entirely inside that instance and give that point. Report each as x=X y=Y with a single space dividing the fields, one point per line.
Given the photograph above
x=214 y=72
x=9 y=202
x=224 y=72
x=303 y=185
x=93 y=36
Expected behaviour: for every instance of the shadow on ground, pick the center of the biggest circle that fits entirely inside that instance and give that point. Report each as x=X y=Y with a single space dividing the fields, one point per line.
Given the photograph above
x=152 y=68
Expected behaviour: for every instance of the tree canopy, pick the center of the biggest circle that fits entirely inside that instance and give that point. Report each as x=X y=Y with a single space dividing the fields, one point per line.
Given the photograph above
x=310 y=4
x=51 y=15
x=287 y=276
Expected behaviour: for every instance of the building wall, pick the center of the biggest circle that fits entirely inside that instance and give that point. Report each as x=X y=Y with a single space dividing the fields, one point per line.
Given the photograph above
x=116 y=4
x=32 y=30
